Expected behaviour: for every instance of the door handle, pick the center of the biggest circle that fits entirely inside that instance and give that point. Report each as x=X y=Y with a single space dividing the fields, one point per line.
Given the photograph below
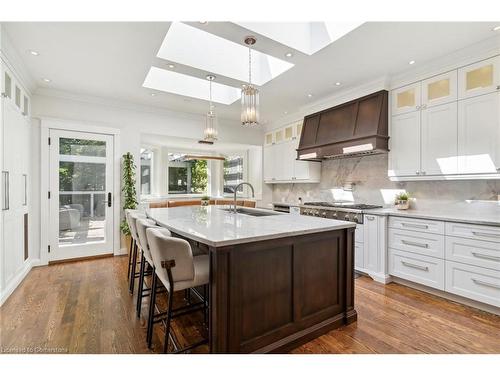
x=109 y=199
x=6 y=198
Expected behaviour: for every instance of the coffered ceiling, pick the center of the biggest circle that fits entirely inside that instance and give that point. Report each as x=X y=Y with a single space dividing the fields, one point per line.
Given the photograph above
x=112 y=60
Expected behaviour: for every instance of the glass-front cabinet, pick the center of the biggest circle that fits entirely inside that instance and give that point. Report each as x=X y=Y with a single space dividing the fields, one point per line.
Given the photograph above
x=406 y=99
x=480 y=78
x=440 y=89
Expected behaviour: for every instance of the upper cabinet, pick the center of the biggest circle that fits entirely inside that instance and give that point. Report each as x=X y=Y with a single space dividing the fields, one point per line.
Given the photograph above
x=280 y=157
x=406 y=99
x=448 y=126
x=480 y=78
x=440 y=89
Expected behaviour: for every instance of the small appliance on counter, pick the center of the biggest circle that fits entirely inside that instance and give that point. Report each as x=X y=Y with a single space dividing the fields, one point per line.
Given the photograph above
x=288 y=208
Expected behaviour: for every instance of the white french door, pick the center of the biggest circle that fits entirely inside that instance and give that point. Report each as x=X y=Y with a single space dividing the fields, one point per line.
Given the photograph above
x=81 y=187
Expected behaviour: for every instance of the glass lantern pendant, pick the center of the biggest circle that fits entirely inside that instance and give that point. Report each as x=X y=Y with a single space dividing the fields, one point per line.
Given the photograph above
x=210 y=132
x=249 y=93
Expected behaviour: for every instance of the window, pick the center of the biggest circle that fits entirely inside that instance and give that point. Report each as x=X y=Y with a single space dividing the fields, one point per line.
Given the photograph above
x=233 y=174
x=186 y=175
x=146 y=161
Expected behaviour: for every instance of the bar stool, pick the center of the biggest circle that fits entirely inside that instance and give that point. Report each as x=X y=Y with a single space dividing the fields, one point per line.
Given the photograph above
x=132 y=241
x=177 y=269
x=133 y=274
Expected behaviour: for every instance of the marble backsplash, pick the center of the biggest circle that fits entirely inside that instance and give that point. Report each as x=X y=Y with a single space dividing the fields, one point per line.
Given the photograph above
x=364 y=179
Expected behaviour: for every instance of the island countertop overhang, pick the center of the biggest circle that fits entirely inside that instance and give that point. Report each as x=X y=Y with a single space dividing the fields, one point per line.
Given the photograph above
x=215 y=227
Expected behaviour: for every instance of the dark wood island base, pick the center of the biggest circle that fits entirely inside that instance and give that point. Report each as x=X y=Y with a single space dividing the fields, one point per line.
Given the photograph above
x=273 y=295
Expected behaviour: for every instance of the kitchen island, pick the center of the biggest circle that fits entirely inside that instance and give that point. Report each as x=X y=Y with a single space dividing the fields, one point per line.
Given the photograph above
x=276 y=280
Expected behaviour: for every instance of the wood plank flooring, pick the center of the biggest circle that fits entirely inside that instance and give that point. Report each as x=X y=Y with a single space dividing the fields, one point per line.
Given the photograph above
x=85 y=307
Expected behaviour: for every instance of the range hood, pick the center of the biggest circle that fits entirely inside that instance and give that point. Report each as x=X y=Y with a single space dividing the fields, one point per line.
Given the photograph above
x=355 y=128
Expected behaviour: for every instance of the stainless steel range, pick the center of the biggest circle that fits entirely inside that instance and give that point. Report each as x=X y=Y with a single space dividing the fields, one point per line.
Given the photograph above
x=339 y=211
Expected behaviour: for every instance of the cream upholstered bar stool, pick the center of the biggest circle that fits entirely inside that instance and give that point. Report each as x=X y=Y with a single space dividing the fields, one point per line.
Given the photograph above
x=177 y=269
x=146 y=260
x=133 y=274
x=132 y=242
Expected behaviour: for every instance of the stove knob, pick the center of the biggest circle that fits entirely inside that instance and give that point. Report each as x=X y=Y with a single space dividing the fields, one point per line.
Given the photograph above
x=347 y=217
x=355 y=218
x=334 y=215
x=324 y=214
x=316 y=213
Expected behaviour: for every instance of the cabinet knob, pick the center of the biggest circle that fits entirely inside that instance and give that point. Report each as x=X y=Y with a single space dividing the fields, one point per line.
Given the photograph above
x=417 y=172
x=417 y=107
x=498 y=87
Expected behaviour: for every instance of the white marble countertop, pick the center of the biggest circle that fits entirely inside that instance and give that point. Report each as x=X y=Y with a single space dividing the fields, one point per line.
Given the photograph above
x=474 y=212
x=213 y=226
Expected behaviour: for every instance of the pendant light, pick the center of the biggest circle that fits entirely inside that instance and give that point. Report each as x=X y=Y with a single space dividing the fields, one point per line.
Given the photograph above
x=210 y=133
x=249 y=93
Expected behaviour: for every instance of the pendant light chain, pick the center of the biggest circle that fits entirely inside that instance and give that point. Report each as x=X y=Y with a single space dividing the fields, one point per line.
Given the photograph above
x=249 y=65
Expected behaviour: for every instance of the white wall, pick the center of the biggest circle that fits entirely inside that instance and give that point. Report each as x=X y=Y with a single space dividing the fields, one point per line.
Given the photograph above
x=132 y=120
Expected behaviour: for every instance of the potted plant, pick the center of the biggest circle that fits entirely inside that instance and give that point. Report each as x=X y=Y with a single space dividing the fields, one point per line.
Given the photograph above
x=129 y=192
x=205 y=200
x=402 y=201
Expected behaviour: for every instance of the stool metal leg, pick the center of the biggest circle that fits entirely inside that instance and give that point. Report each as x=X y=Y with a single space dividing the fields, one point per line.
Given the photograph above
x=169 y=319
x=132 y=241
x=152 y=301
x=132 y=269
x=141 y=285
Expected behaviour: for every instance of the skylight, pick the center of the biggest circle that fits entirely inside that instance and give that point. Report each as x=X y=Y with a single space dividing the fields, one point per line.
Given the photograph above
x=190 y=46
x=306 y=37
x=182 y=84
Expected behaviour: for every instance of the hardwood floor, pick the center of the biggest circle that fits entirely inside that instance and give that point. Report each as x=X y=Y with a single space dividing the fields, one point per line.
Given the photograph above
x=85 y=307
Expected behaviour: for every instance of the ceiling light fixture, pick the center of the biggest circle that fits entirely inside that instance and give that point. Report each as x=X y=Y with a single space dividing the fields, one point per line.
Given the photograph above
x=309 y=95
x=46 y=80
x=171 y=66
x=496 y=28
x=411 y=62
x=203 y=22
x=153 y=94
x=288 y=54
x=34 y=53
x=337 y=83
x=210 y=132
x=249 y=93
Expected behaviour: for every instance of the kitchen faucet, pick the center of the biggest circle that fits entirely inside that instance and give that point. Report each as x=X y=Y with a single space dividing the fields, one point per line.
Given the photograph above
x=236 y=189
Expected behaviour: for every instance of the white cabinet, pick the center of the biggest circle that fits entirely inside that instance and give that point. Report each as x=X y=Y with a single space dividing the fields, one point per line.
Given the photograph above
x=448 y=126
x=420 y=269
x=374 y=246
x=438 y=140
x=406 y=99
x=405 y=145
x=439 y=89
x=480 y=78
x=479 y=134
x=280 y=158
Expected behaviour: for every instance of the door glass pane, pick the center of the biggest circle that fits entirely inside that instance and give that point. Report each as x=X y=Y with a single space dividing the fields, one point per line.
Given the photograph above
x=289 y=132
x=82 y=191
x=269 y=138
x=299 y=130
x=18 y=97
x=8 y=85
x=406 y=98
x=438 y=89
x=481 y=77
x=279 y=135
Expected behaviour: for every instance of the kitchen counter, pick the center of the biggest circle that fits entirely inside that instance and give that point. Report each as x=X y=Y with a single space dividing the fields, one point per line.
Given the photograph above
x=276 y=282
x=475 y=212
x=215 y=227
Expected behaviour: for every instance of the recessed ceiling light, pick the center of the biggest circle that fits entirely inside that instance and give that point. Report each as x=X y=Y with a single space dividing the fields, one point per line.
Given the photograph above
x=496 y=28
x=288 y=54
x=337 y=83
x=411 y=62
x=34 y=53
x=203 y=22
x=171 y=66
x=286 y=112
x=46 y=80
x=153 y=94
x=309 y=95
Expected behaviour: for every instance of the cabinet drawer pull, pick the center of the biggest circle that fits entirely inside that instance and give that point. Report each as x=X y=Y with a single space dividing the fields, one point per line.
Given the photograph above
x=421 y=226
x=485 y=256
x=370 y=218
x=484 y=234
x=418 y=267
x=485 y=283
x=410 y=243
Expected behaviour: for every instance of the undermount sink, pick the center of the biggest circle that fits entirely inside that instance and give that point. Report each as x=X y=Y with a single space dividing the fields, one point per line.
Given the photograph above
x=250 y=212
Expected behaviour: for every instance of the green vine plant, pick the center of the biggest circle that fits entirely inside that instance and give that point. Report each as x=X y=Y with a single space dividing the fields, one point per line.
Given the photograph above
x=129 y=193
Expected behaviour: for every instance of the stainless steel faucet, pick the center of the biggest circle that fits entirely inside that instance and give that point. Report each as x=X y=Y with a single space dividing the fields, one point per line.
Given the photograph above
x=236 y=190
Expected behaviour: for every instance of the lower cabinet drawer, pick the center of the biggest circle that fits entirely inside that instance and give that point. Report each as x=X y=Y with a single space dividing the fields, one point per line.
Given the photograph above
x=478 y=232
x=473 y=252
x=359 y=255
x=417 y=268
x=416 y=242
x=476 y=283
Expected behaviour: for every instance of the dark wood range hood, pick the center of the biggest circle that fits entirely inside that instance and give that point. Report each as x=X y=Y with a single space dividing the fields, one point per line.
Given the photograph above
x=355 y=128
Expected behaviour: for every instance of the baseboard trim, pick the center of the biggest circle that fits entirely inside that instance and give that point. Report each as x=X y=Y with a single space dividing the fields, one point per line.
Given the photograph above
x=15 y=282
x=121 y=251
x=52 y=262
x=449 y=296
